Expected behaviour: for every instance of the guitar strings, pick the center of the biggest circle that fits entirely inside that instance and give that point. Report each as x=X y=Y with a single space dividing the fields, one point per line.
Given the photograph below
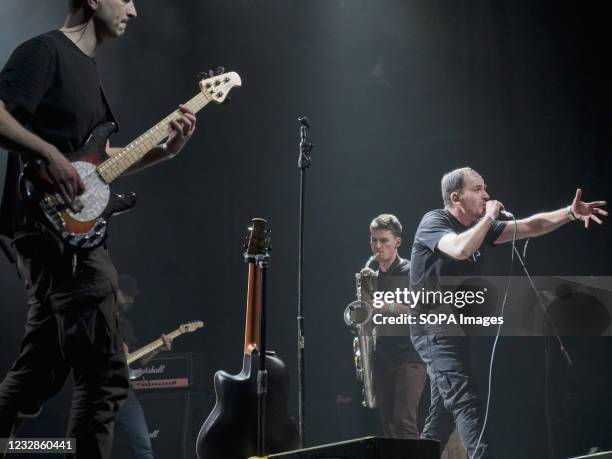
x=195 y=104
x=192 y=104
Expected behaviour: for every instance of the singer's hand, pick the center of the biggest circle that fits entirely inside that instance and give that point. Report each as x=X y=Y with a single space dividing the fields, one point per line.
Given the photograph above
x=493 y=208
x=587 y=211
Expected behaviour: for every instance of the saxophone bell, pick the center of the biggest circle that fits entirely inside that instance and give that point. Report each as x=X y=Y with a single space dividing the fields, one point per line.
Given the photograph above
x=357 y=314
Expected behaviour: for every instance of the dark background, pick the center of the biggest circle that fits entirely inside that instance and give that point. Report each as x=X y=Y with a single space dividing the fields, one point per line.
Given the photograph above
x=398 y=92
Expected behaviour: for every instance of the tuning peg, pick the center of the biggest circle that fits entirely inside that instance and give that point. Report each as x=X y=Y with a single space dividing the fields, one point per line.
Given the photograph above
x=220 y=70
x=211 y=73
x=227 y=100
x=201 y=76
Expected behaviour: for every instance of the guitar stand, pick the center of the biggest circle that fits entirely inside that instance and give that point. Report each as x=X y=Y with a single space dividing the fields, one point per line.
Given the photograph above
x=262 y=374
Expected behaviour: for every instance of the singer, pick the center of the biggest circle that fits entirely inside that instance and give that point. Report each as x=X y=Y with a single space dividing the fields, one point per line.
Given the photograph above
x=450 y=242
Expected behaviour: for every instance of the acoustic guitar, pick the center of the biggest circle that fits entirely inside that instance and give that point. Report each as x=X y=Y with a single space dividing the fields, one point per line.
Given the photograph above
x=230 y=431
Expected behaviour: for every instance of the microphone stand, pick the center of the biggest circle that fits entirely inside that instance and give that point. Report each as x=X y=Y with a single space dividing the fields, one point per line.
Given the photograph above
x=551 y=323
x=303 y=164
x=550 y=447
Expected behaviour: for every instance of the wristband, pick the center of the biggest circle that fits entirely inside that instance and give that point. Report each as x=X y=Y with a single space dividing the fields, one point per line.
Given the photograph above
x=570 y=214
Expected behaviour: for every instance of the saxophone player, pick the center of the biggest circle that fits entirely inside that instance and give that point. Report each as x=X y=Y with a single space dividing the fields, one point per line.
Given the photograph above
x=399 y=373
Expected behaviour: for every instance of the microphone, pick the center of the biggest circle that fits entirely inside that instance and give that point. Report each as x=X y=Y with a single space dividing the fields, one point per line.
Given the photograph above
x=503 y=212
x=304 y=121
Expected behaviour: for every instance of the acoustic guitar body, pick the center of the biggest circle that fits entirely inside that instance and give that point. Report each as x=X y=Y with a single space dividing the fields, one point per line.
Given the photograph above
x=230 y=431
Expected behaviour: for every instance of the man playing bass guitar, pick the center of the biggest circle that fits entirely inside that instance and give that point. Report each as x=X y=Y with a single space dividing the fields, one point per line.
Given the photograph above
x=50 y=100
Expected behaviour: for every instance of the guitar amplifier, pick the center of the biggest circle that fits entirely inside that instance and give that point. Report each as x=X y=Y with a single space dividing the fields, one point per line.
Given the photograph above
x=173 y=420
x=174 y=370
x=368 y=448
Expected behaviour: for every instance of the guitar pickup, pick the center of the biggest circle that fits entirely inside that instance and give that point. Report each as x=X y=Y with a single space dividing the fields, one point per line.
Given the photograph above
x=50 y=210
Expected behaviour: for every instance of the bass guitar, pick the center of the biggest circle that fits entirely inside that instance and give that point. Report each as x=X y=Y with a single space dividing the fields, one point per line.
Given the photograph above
x=83 y=223
x=231 y=429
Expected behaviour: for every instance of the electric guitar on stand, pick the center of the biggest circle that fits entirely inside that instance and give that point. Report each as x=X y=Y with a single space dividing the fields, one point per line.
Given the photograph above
x=83 y=224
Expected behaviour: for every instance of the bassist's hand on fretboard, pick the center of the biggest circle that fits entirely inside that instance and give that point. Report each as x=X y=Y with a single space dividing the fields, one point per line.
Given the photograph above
x=182 y=130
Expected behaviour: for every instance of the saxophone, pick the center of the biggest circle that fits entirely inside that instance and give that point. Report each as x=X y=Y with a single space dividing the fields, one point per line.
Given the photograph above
x=358 y=316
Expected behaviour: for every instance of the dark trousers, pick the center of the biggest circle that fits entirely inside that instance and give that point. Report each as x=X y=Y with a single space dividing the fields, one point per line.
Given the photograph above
x=131 y=420
x=71 y=325
x=399 y=386
x=454 y=396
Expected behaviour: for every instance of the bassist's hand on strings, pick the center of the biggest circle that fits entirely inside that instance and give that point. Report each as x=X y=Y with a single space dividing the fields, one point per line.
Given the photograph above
x=182 y=130
x=63 y=177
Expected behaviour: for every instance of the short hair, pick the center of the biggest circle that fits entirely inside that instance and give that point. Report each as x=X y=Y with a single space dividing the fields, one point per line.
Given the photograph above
x=387 y=222
x=454 y=181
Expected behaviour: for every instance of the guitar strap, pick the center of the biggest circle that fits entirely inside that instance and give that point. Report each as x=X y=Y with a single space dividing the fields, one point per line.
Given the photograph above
x=9 y=196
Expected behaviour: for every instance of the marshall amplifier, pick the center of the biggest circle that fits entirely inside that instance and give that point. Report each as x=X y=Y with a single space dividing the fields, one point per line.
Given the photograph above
x=368 y=448
x=173 y=420
x=172 y=370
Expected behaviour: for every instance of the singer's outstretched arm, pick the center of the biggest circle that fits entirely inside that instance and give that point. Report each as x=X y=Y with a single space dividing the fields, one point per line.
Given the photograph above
x=545 y=222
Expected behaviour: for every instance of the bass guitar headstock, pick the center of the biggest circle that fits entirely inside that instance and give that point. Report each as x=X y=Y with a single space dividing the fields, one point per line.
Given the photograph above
x=216 y=85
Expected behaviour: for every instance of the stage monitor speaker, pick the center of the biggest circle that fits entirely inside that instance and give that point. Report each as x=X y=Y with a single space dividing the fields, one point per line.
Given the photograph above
x=602 y=455
x=173 y=420
x=368 y=448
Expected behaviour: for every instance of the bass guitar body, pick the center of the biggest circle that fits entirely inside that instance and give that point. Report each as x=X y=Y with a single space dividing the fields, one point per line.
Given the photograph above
x=230 y=431
x=83 y=224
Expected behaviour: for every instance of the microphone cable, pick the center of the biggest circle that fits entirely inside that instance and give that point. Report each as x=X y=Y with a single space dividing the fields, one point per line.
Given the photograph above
x=497 y=334
x=546 y=315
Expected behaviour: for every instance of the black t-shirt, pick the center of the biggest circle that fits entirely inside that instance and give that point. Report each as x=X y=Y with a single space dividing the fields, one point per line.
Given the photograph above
x=56 y=91
x=397 y=346
x=428 y=263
